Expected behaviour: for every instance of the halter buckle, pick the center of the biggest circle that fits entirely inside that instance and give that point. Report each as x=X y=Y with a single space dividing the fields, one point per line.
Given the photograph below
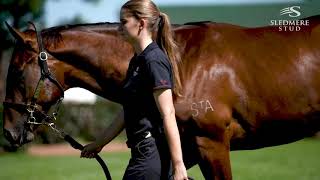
x=43 y=56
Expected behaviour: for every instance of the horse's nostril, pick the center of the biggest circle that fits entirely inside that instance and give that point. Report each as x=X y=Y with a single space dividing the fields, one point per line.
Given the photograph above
x=30 y=136
x=9 y=135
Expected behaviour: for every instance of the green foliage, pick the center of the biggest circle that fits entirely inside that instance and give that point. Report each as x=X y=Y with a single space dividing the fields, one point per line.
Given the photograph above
x=18 y=13
x=83 y=121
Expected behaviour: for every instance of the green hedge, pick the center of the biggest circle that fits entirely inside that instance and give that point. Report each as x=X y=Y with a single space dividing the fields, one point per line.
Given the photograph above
x=83 y=121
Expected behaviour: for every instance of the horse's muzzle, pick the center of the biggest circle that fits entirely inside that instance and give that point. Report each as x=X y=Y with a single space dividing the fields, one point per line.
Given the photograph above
x=17 y=140
x=11 y=136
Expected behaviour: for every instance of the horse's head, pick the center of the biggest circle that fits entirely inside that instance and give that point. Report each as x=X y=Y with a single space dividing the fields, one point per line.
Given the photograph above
x=31 y=89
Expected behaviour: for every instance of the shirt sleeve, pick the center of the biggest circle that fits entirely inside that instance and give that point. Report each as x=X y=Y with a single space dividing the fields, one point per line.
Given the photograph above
x=159 y=75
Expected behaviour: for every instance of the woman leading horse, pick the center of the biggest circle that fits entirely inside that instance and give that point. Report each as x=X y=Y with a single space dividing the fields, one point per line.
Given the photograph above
x=242 y=88
x=149 y=115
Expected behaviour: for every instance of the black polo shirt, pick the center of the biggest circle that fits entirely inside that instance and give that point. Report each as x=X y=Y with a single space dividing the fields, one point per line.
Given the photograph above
x=148 y=71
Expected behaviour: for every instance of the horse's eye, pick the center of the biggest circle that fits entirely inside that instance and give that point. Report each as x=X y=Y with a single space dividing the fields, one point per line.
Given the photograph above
x=28 y=45
x=25 y=45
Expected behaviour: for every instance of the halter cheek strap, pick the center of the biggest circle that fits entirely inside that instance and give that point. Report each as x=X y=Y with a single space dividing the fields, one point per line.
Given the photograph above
x=45 y=73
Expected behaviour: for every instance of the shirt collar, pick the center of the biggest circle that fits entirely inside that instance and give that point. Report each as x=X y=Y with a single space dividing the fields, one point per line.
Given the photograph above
x=149 y=48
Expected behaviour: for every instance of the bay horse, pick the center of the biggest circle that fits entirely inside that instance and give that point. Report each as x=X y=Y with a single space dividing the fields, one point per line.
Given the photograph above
x=243 y=88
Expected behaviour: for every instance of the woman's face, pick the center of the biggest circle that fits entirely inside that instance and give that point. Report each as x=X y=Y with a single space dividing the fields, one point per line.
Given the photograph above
x=129 y=26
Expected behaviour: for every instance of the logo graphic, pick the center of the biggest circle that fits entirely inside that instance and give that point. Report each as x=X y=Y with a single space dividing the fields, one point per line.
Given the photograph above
x=292 y=24
x=135 y=72
x=163 y=82
x=292 y=11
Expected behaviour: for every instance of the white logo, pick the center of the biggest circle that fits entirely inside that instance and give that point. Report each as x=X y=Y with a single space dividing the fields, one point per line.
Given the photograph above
x=135 y=72
x=292 y=11
x=290 y=24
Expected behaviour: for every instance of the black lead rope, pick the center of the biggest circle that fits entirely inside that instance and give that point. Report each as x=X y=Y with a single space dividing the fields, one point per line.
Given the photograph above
x=76 y=145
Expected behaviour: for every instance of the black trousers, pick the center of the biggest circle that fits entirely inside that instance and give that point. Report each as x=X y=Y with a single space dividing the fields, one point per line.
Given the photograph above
x=145 y=162
x=165 y=156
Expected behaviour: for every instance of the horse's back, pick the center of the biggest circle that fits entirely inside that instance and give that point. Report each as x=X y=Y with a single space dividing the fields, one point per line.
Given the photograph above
x=264 y=81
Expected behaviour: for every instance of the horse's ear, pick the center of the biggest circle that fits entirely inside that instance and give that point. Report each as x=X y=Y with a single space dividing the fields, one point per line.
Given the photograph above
x=15 y=33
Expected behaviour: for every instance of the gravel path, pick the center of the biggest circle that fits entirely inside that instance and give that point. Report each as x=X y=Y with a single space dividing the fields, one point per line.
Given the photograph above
x=66 y=149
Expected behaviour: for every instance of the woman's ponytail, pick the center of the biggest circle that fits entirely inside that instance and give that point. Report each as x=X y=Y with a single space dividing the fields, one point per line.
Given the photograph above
x=168 y=45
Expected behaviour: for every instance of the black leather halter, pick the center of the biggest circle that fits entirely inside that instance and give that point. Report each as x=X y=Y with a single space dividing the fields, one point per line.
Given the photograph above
x=32 y=107
x=33 y=111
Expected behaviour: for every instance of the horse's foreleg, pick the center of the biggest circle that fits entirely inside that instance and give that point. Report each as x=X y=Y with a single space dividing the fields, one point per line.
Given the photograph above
x=215 y=160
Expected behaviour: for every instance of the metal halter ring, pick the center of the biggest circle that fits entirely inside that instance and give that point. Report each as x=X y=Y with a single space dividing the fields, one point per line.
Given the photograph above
x=33 y=119
x=43 y=54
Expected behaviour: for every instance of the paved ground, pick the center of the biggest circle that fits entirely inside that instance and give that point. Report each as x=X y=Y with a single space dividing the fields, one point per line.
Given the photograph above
x=66 y=149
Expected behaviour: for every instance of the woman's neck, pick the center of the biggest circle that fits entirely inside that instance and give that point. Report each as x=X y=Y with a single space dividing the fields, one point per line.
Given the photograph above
x=141 y=44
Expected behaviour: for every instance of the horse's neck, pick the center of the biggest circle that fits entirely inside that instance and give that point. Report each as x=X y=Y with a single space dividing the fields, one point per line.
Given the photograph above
x=96 y=61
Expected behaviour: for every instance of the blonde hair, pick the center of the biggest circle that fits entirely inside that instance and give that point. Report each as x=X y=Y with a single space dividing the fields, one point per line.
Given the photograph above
x=158 y=21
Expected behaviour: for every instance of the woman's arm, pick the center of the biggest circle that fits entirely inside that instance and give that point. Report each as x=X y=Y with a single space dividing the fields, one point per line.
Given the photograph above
x=108 y=135
x=163 y=98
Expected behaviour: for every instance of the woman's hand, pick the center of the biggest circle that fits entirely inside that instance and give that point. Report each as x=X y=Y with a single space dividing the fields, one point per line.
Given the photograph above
x=116 y=126
x=180 y=172
x=91 y=150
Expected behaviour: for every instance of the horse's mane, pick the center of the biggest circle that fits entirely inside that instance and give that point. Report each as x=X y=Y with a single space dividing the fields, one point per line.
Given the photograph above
x=53 y=34
x=79 y=26
x=198 y=23
x=99 y=25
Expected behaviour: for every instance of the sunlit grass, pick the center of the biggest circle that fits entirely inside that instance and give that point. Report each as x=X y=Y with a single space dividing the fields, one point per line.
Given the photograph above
x=296 y=161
